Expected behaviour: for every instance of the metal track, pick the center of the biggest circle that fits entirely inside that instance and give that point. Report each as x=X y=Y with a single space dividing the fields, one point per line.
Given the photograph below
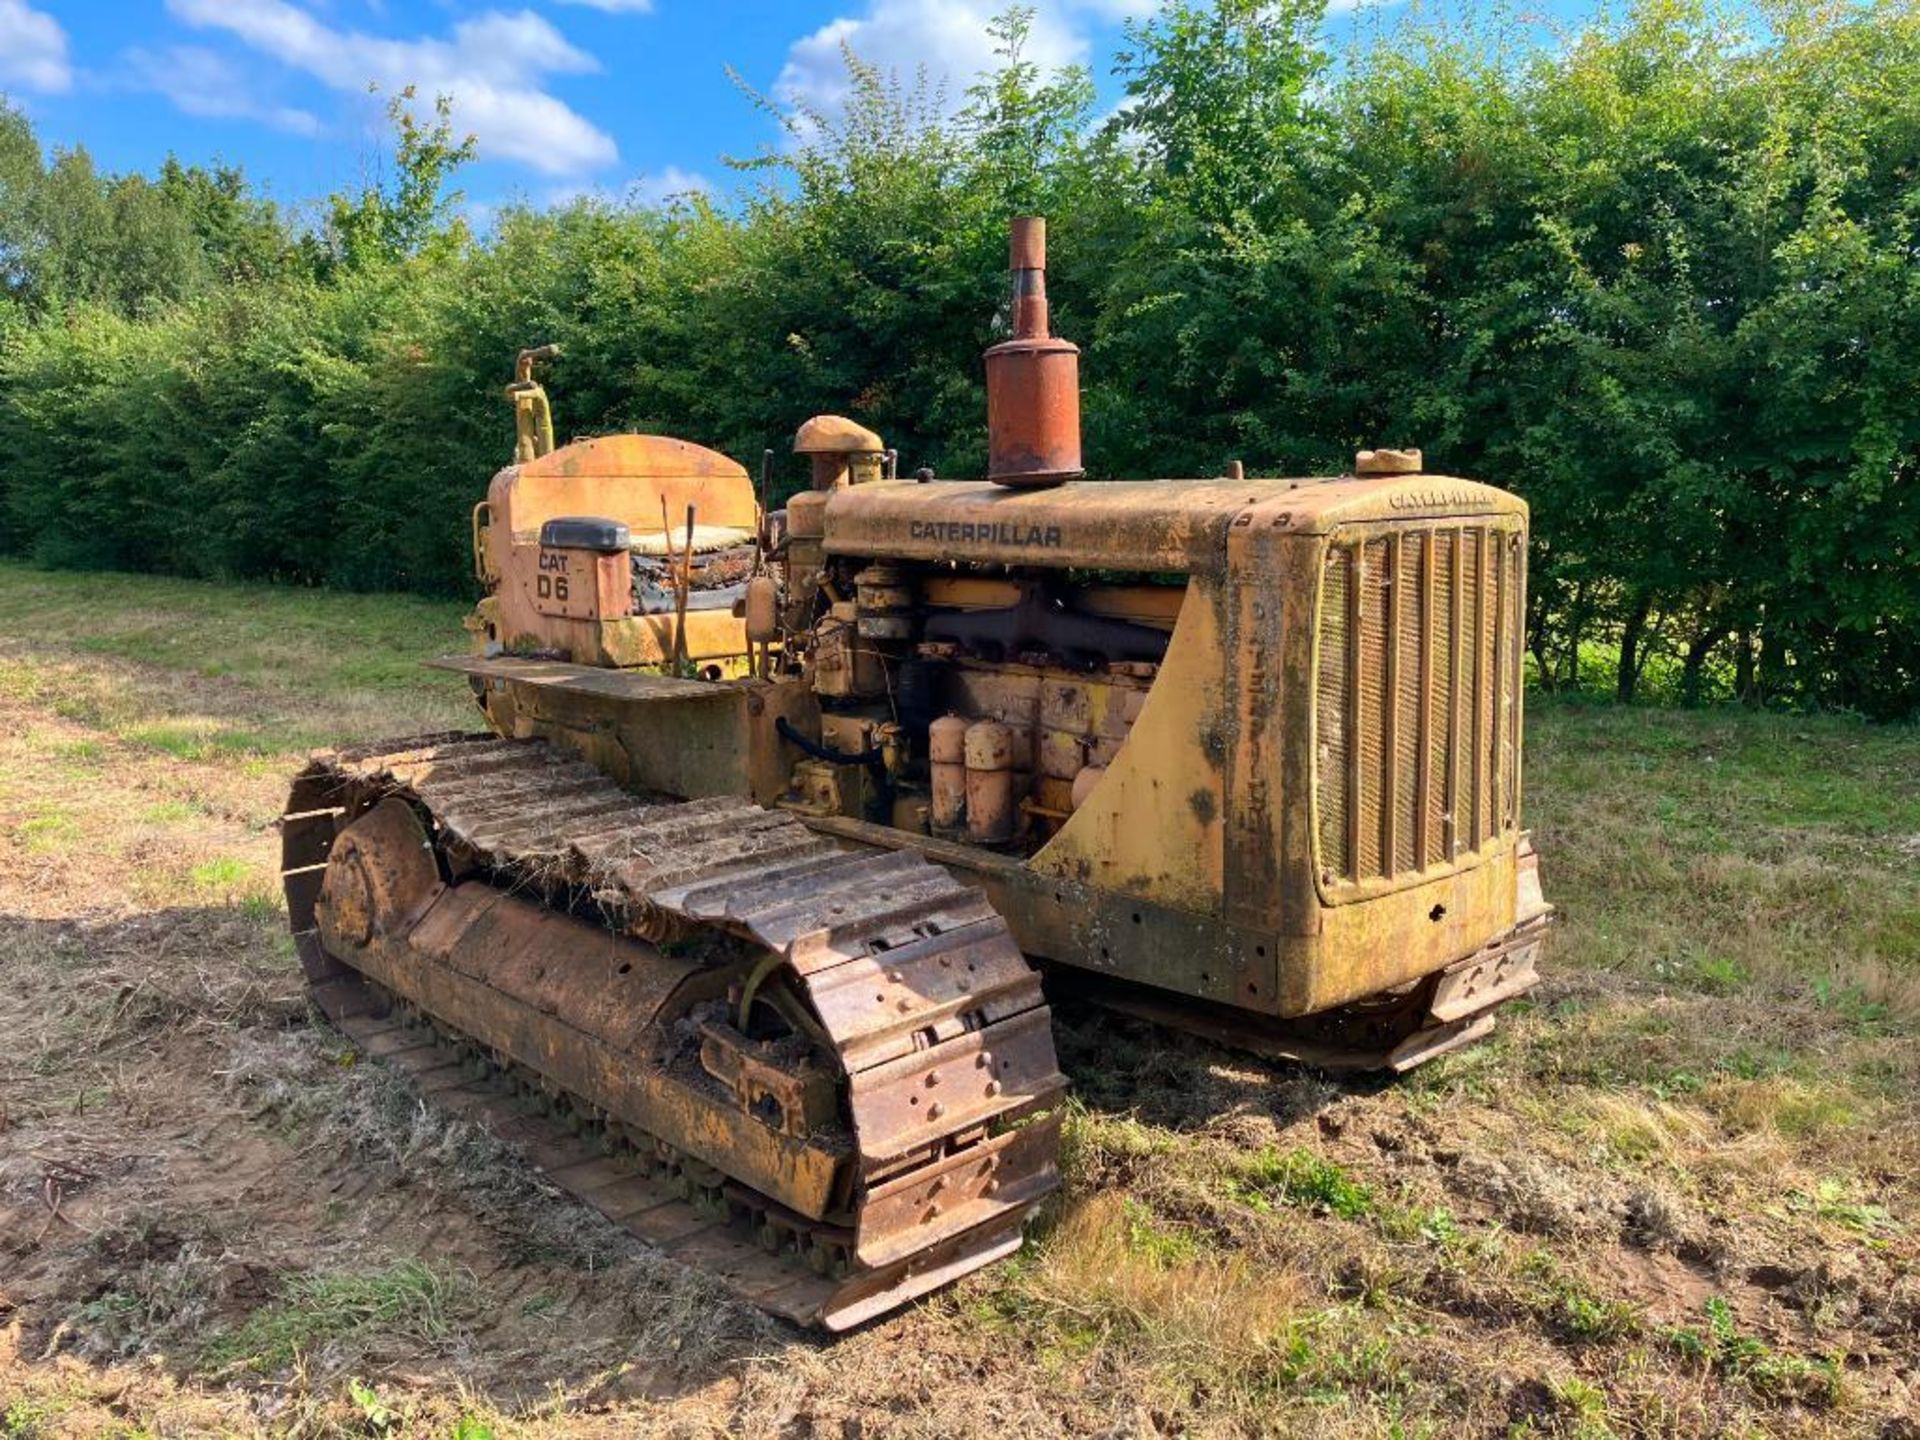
x=936 y=1021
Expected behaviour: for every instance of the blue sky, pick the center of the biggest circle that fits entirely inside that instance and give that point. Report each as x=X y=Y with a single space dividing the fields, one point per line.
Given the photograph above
x=564 y=95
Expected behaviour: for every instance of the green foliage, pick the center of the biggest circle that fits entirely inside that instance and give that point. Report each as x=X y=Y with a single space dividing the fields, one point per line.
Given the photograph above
x=1655 y=276
x=24 y=1419
x=1572 y=1307
x=1721 y=1346
x=376 y=1415
x=70 y=235
x=1156 y=1241
x=1299 y=1177
x=407 y=1298
x=411 y=213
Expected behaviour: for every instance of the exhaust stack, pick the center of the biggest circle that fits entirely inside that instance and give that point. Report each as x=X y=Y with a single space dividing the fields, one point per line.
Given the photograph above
x=1033 y=380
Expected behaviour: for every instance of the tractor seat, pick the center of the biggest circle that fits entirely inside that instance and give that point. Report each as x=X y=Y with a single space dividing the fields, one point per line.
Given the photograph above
x=706 y=539
x=597 y=533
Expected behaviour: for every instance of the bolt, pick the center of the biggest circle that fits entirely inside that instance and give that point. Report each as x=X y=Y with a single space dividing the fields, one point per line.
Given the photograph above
x=993 y=1087
x=933 y=1078
x=983 y=1060
x=936 y=1110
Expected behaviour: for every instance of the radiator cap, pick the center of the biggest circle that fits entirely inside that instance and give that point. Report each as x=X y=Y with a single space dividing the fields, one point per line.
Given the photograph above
x=1387 y=462
x=836 y=435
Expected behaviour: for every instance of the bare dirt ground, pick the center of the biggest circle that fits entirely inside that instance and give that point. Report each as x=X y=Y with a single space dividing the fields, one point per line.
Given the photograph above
x=1676 y=1194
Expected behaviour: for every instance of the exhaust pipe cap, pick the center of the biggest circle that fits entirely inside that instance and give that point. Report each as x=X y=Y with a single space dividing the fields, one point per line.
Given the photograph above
x=1033 y=380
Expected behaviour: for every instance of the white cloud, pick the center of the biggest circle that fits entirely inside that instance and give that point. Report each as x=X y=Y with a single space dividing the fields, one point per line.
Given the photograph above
x=666 y=184
x=202 y=82
x=494 y=66
x=948 y=38
x=653 y=188
x=615 y=7
x=33 y=49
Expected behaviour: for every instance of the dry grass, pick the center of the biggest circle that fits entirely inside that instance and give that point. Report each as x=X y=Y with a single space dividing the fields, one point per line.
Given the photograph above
x=1675 y=1195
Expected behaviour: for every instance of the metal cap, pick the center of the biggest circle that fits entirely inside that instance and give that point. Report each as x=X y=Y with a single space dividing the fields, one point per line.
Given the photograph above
x=1388 y=462
x=836 y=435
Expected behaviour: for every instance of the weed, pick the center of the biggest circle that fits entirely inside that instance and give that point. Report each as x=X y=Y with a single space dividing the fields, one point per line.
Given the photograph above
x=260 y=907
x=1784 y=1105
x=1677 y=1084
x=1861 y=1013
x=377 y=1415
x=1162 y=1307
x=1572 y=1307
x=1586 y=1404
x=1096 y=1147
x=1720 y=1346
x=110 y=1311
x=1832 y=1201
x=1593 y=1320
x=1148 y=1236
x=198 y=740
x=221 y=874
x=1299 y=1177
x=25 y=1419
x=51 y=829
x=1720 y=974
x=1434 y=1225
x=1331 y=1355
x=408 y=1298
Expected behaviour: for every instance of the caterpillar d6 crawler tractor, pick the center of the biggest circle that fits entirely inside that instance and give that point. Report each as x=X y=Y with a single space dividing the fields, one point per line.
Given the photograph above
x=732 y=915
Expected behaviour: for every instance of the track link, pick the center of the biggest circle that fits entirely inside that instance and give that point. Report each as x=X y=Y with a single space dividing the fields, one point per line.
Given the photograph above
x=934 y=1019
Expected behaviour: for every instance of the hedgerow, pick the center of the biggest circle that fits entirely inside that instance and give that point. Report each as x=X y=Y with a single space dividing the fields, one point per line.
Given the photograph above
x=1656 y=275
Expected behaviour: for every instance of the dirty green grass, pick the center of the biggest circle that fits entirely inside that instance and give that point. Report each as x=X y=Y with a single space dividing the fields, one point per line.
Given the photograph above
x=1711 y=849
x=241 y=673
x=410 y=1299
x=262 y=635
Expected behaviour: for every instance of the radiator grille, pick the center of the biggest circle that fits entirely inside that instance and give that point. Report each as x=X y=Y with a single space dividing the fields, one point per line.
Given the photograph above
x=1418 y=699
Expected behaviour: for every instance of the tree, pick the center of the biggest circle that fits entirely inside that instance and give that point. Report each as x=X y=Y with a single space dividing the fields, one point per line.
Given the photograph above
x=412 y=211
